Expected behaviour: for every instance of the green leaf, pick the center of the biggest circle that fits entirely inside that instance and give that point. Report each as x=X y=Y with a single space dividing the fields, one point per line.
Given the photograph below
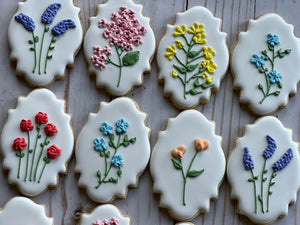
x=191 y=68
x=265 y=171
x=287 y=51
x=126 y=143
x=131 y=58
x=36 y=39
x=107 y=154
x=53 y=40
x=271 y=48
x=47 y=161
x=264 y=179
x=49 y=56
x=276 y=93
x=197 y=83
x=18 y=154
x=119 y=172
x=206 y=85
x=270 y=192
x=279 y=84
x=180 y=69
x=113 y=180
x=261 y=70
x=195 y=173
x=45 y=158
x=133 y=140
x=42 y=144
x=126 y=138
x=46 y=29
x=30 y=150
x=102 y=153
x=40 y=136
x=32 y=49
x=260 y=198
x=264 y=52
x=193 y=54
x=30 y=42
x=260 y=86
x=99 y=174
x=193 y=91
x=272 y=183
x=250 y=179
x=111 y=140
x=51 y=47
x=22 y=155
x=256 y=177
x=274 y=175
x=177 y=165
x=47 y=142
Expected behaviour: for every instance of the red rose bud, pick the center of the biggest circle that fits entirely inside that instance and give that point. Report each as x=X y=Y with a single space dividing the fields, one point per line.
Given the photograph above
x=53 y=152
x=41 y=118
x=19 y=144
x=50 y=129
x=26 y=125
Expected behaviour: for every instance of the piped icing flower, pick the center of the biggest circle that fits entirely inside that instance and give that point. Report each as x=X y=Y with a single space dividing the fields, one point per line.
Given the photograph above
x=211 y=66
x=19 y=144
x=283 y=161
x=274 y=76
x=53 y=152
x=41 y=118
x=50 y=129
x=121 y=126
x=26 y=21
x=273 y=39
x=271 y=147
x=62 y=27
x=117 y=160
x=208 y=52
x=258 y=60
x=50 y=13
x=178 y=152
x=247 y=159
x=171 y=51
x=26 y=125
x=106 y=128
x=179 y=31
x=199 y=39
x=100 y=145
x=196 y=28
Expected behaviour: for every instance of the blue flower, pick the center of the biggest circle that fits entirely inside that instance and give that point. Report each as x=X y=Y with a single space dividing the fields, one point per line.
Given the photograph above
x=50 y=13
x=247 y=159
x=62 y=27
x=117 y=160
x=273 y=39
x=274 y=76
x=258 y=60
x=27 y=21
x=284 y=161
x=106 y=128
x=100 y=145
x=271 y=147
x=122 y=126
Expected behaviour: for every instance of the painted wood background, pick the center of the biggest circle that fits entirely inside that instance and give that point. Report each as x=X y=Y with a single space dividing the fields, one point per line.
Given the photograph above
x=67 y=202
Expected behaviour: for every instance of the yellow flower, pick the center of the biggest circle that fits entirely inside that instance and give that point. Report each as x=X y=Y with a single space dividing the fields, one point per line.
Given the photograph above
x=198 y=28
x=211 y=66
x=202 y=65
x=205 y=75
x=209 y=80
x=208 y=52
x=174 y=73
x=180 y=30
x=171 y=51
x=199 y=39
x=179 y=44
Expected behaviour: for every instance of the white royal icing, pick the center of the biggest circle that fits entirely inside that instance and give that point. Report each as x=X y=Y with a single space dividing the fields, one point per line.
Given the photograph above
x=173 y=87
x=39 y=100
x=21 y=210
x=109 y=76
x=105 y=212
x=246 y=74
x=287 y=181
x=66 y=45
x=168 y=181
x=89 y=160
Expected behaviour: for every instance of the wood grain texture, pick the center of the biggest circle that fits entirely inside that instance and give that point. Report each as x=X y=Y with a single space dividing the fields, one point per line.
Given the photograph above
x=67 y=202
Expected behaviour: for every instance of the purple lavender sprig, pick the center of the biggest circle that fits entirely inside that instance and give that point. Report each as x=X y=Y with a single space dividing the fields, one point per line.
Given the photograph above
x=47 y=18
x=277 y=166
x=29 y=25
x=249 y=165
x=271 y=147
x=58 y=30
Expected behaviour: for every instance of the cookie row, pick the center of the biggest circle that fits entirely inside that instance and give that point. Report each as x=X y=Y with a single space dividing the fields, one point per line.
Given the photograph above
x=187 y=162
x=192 y=56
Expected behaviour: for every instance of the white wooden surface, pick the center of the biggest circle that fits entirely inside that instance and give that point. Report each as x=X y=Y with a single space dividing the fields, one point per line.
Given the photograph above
x=67 y=202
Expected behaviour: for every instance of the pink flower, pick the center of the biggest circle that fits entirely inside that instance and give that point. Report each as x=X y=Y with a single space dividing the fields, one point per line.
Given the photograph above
x=26 y=125
x=53 y=152
x=50 y=129
x=41 y=118
x=103 y=23
x=114 y=221
x=19 y=144
x=98 y=222
x=106 y=222
x=100 y=56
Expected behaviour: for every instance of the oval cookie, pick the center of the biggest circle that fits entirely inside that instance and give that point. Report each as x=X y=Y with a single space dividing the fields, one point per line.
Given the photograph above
x=44 y=37
x=119 y=46
x=181 y=165
x=264 y=64
x=192 y=57
x=264 y=171
x=37 y=142
x=108 y=147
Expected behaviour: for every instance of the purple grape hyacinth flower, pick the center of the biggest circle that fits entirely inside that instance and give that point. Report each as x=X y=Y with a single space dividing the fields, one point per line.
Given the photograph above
x=50 y=13
x=283 y=161
x=271 y=147
x=62 y=27
x=247 y=159
x=27 y=21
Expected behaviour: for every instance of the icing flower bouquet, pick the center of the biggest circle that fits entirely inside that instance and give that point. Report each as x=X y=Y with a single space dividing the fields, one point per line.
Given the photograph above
x=272 y=76
x=113 y=221
x=123 y=33
x=277 y=166
x=192 y=63
x=116 y=160
x=46 y=19
x=19 y=144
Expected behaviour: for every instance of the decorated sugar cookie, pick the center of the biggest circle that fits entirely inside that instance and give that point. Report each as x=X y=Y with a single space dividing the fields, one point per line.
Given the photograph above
x=184 y=223
x=265 y=64
x=37 y=142
x=21 y=210
x=119 y=46
x=181 y=165
x=105 y=215
x=264 y=171
x=192 y=57
x=44 y=37
x=108 y=147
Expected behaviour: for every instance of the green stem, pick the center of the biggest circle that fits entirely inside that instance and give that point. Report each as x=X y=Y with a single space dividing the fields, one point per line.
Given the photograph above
x=35 y=58
x=41 y=49
x=194 y=59
x=178 y=60
x=180 y=78
x=40 y=156
x=185 y=83
x=262 y=186
x=38 y=127
x=120 y=65
x=269 y=189
x=28 y=153
x=184 y=184
x=273 y=54
x=186 y=41
x=19 y=169
x=110 y=61
x=46 y=60
x=42 y=172
x=254 y=183
x=266 y=94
